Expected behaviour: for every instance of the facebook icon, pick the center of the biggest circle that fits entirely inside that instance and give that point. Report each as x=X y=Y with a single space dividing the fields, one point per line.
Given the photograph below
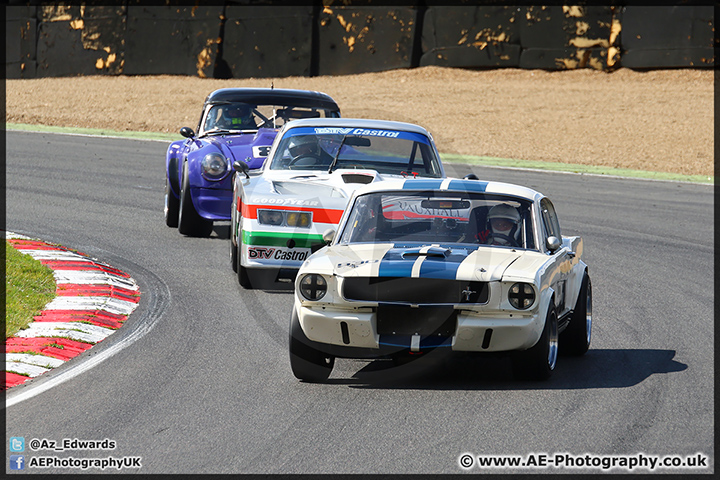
x=17 y=462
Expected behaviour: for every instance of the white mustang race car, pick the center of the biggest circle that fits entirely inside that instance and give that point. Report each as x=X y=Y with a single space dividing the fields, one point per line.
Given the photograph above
x=279 y=216
x=461 y=265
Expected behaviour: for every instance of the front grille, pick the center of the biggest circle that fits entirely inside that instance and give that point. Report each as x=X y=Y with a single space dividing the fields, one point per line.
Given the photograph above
x=416 y=291
x=423 y=321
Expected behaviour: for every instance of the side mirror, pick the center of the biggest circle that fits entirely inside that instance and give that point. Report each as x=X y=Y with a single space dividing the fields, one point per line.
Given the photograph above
x=552 y=243
x=187 y=132
x=471 y=176
x=241 y=167
x=329 y=236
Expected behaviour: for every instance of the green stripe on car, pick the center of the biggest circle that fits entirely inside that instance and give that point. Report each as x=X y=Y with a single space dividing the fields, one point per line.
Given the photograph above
x=276 y=239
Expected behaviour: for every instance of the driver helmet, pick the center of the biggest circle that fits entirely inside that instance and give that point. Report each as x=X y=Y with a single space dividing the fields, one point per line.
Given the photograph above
x=235 y=116
x=303 y=145
x=504 y=219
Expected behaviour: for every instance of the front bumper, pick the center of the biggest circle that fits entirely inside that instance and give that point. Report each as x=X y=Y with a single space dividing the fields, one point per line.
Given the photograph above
x=473 y=332
x=278 y=249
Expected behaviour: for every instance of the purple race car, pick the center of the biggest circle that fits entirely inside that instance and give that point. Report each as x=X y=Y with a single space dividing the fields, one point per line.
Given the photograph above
x=236 y=124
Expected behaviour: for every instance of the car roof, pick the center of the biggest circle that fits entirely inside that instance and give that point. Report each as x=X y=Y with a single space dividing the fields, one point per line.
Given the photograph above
x=269 y=96
x=450 y=185
x=358 y=123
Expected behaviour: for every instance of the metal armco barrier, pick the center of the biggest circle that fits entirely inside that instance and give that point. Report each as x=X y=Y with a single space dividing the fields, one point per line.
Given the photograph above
x=237 y=40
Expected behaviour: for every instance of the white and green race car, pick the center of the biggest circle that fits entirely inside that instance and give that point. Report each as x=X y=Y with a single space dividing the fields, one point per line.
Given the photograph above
x=279 y=215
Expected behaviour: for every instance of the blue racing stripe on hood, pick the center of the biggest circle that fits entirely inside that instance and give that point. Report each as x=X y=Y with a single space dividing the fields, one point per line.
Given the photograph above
x=423 y=184
x=445 y=268
x=468 y=185
x=394 y=265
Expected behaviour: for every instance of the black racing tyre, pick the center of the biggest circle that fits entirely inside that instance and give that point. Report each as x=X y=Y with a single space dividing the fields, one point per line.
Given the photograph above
x=307 y=363
x=575 y=339
x=233 y=254
x=538 y=362
x=172 y=206
x=234 y=247
x=189 y=221
x=242 y=272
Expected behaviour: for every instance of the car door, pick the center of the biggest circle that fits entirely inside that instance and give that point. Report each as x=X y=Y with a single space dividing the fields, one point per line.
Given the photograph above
x=562 y=261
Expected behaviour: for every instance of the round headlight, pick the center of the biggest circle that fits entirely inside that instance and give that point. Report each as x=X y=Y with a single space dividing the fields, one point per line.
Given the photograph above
x=214 y=166
x=313 y=287
x=521 y=296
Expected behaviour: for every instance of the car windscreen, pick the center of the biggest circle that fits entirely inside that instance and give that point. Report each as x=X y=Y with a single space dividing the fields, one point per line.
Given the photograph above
x=240 y=116
x=440 y=217
x=386 y=151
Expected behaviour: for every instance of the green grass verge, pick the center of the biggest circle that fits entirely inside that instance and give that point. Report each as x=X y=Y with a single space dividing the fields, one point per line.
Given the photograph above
x=29 y=286
x=574 y=168
x=94 y=131
x=446 y=157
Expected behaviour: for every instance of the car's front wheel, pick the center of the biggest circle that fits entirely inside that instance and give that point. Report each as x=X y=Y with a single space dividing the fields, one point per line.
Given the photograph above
x=307 y=363
x=575 y=339
x=172 y=206
x=189 y=221
x=538 y=362
x=233 y=255
x=242 y=272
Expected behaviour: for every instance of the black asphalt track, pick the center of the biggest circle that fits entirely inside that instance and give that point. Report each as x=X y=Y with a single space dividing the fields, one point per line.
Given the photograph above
x=198 y=380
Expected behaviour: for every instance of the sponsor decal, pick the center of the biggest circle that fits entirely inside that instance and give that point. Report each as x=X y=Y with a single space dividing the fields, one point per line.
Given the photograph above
x=375 y=133
x=356 y=131
x=270 y=253
x=399 y=210
x=333 y=131
x=355 y=264
x=285 y=201
x=260 y=252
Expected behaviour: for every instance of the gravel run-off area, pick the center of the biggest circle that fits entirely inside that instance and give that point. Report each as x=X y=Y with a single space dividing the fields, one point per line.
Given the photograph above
x=661 y=120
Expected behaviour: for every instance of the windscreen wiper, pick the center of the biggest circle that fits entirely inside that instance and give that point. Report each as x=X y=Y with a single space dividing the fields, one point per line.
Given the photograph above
x=215 y=131
x=337 y=155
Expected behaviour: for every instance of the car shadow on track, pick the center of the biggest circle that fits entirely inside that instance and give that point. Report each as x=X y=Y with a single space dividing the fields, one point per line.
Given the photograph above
x=222 y=231
x=601 y=368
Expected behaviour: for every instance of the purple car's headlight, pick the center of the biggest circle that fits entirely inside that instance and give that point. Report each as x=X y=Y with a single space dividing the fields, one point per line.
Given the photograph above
x=214 y=166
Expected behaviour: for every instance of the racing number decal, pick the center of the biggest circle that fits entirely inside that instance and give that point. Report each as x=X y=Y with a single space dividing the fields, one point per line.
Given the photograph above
x=261 y=151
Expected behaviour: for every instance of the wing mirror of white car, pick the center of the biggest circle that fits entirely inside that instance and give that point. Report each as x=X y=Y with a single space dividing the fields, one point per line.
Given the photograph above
x=329 y=236
x=552 y=243
x=187 y=132
x=241 y=167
